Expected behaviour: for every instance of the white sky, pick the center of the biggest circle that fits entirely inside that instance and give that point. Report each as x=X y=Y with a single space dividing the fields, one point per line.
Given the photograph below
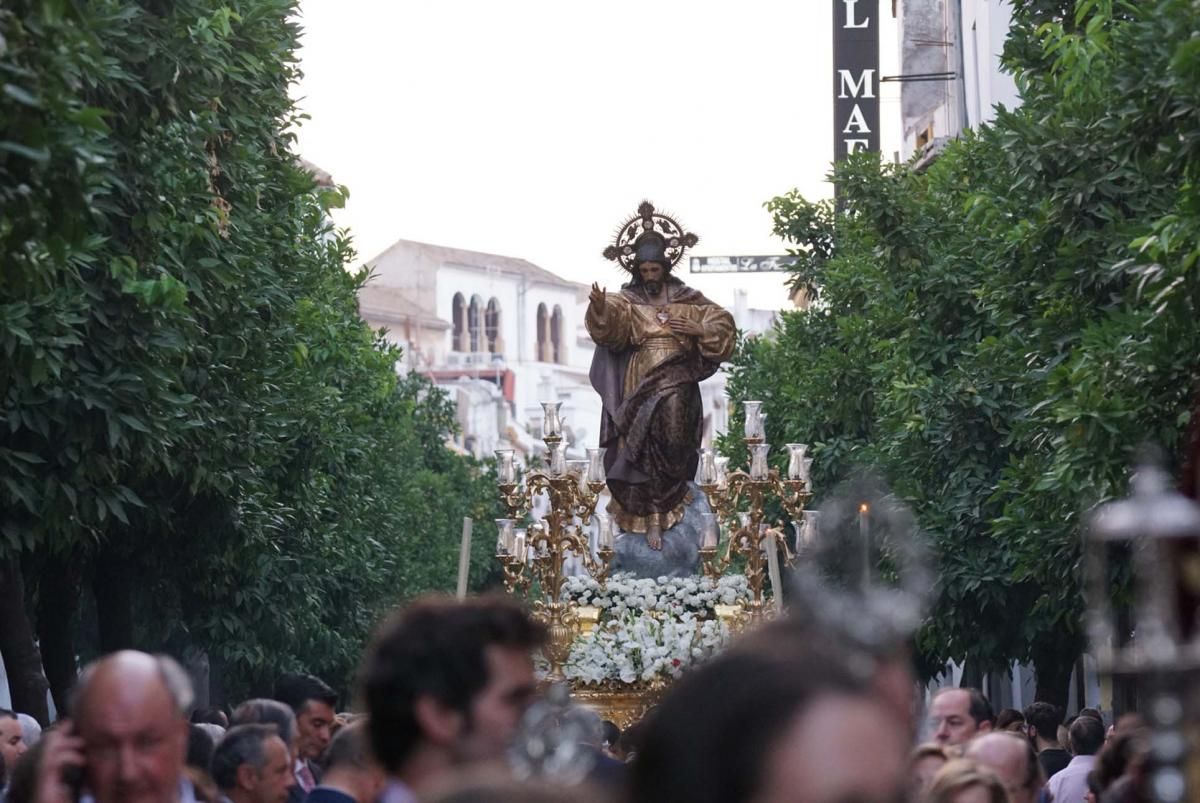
x=532 y=128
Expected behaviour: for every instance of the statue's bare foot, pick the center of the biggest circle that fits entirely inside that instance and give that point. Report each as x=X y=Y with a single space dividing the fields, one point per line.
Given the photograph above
x=654 y=536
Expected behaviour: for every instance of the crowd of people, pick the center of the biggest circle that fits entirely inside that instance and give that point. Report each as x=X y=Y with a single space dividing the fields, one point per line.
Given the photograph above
x=785 y=714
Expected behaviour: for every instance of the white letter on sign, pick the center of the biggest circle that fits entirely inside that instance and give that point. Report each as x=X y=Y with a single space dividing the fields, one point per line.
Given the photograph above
x=856 y=121
x=864 y=84
x=850 y=16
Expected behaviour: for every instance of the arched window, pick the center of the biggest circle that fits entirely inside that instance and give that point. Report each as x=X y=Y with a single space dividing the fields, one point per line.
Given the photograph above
x=543 y=333
x=459 y=313
x=474 y=329
x=491 y=327
x=559 y=348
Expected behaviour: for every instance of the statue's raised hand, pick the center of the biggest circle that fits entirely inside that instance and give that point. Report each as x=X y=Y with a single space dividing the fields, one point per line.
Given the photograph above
x=598 y=295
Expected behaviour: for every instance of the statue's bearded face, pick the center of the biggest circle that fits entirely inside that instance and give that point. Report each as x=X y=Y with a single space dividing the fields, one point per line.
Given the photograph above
x=653 y=274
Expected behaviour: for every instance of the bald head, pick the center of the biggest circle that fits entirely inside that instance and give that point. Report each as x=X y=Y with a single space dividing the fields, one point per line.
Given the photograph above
x=1013 y=760
x=130 y=708
x=137 y=670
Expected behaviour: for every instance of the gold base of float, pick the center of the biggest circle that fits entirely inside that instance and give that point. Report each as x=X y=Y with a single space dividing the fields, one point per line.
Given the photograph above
x=621 y=703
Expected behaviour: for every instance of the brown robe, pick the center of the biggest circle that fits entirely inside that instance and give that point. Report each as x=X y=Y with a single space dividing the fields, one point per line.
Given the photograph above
x=648 y=380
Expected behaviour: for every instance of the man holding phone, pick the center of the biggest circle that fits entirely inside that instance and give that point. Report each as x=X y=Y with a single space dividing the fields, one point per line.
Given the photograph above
x=127 y=739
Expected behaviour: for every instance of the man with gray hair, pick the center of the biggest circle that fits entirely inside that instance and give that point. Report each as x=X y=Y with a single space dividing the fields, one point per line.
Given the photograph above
x=253 y=765
x=127 y=740
x=1011 y=757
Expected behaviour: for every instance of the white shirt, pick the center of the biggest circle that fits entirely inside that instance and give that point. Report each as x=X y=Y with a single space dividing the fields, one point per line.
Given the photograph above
x=1069 y=785
x=396 y=792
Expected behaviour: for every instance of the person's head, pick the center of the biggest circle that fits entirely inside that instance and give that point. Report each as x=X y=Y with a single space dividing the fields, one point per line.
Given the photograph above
x=31 y=729
x=800 y=724
x=1009 y=719
x=449 y=678
x=313 y=703
x=22 y=779
x=958 y=715
x=964 y=781
x=130 y=709
x=252 y=765
x=261 y=711
x=201 y=745
x=210 y=716
x=924 y=763
x=1087 y=736
x=1042 y=721
x=12 y=739
x=1093 y=713
x=1010 y=756
x=349 y=765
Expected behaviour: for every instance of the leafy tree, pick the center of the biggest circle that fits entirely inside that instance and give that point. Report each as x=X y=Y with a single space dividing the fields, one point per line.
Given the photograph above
x=999 y=333
x=195 y=424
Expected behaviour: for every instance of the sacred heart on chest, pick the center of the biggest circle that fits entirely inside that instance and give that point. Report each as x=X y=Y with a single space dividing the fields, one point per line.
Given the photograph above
x=663 y=316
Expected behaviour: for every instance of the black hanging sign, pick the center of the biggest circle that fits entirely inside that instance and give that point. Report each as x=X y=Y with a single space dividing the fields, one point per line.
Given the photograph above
x=855 y=77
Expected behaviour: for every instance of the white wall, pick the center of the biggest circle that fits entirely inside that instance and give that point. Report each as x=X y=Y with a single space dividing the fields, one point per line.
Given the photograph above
x=985 y=26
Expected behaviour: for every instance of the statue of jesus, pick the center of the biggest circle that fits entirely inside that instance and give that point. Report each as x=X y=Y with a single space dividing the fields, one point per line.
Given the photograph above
x=655 y=341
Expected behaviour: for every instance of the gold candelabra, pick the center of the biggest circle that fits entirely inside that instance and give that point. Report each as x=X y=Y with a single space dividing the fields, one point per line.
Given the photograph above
x=542 y=550
x=751 y=535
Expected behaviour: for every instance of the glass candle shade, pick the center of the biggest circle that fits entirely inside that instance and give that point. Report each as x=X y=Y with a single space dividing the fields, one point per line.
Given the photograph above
x=811 y=521
x=753 y=425
x=505 y=536
x=605 y=539
x=506 y=469
x=551 y=422
x=758 y=461
x=796 y=456
x=578 y=470
x=557 y=460
x=806 y=472
x=722 y=466
x=595 y=460
x=712 y=534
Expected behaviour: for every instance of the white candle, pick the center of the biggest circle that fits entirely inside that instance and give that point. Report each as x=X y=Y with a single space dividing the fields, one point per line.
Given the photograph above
x=706 y=471
x=864 y=533
x=711 y=532
x=519 y=546
x=773 y=570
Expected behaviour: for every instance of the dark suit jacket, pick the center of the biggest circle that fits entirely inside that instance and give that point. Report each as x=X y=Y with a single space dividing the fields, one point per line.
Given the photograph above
x=325 y=795
x=296 y=795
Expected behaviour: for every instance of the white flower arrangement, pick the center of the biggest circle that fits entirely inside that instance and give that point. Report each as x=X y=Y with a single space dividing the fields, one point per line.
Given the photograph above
x=673 y=596
x=641 y=647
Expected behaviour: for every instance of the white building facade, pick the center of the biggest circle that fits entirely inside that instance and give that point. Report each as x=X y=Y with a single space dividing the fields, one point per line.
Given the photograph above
x=962 y=40
x=502 y=335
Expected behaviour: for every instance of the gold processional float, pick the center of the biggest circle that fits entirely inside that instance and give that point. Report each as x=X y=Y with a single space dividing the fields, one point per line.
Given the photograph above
x=558 y=534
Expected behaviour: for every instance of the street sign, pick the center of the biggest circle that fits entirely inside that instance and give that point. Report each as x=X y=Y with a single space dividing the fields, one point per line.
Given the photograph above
x=739 y=264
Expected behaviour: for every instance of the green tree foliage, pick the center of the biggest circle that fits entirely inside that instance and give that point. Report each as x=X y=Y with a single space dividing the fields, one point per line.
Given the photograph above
x=999 y=333
x=192 y=414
